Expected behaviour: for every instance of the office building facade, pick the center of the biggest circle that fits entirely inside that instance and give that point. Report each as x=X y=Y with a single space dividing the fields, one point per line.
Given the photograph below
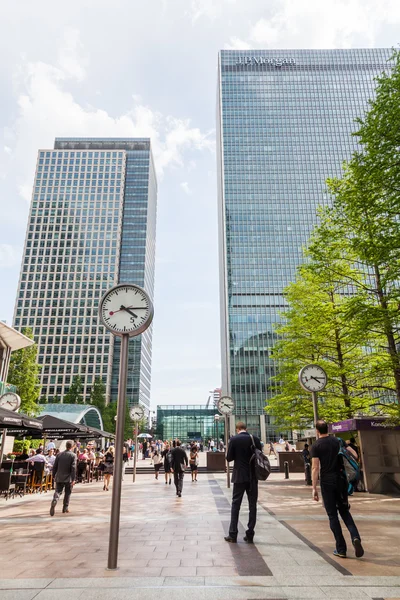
x=285 y=119
x=188 y=423
x=92 y=224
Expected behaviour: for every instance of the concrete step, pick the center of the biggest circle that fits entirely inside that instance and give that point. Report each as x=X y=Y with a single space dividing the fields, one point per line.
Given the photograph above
x=150 y=469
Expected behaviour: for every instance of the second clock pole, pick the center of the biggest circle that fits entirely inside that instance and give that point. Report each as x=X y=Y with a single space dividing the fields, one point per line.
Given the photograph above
x=119 y=443
x=127 y=311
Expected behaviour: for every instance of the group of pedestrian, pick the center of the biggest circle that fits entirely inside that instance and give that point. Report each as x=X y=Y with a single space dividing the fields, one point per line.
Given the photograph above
x=174 y=460
x=327 y=467
x=325 y=458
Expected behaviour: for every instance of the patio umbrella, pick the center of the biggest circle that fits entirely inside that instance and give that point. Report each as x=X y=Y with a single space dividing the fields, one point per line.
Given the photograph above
x=16 y=423
x=144 y=435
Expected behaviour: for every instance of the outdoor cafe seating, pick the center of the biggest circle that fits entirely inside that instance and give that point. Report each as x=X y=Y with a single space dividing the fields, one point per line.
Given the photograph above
x=7 y=489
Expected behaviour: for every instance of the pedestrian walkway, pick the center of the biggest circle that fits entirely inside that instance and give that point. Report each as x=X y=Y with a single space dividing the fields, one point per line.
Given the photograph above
x=174 y=547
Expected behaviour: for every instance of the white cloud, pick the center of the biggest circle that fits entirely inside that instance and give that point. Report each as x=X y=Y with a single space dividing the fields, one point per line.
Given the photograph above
x=10 y=256
x=186 y=188
x=47 y=109
x=70 y=56
x=211 y=9
x=236 y=43
x=316 y=24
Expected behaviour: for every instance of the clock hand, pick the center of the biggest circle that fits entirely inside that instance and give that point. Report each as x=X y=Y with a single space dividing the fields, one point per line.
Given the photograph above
x=317 y=378
x=112 y=312
x=129 y=311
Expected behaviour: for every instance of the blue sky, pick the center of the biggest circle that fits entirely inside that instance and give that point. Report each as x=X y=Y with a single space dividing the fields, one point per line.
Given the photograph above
x=130 y=68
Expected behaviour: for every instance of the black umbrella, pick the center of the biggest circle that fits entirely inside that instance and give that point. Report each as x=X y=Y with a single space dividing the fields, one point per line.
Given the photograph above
x=53 y=427
x=11 y=420
x=17 y=424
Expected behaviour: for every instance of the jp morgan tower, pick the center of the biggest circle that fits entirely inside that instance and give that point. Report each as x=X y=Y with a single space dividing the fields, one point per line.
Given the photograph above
x=285 y=119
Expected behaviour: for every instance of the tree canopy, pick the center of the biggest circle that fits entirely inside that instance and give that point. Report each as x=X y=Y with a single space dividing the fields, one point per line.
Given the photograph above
x=344 y=307
x=24 y=374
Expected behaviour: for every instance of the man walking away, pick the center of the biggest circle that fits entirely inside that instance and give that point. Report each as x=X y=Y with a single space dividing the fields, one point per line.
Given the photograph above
x=244 y=480
x=64 y=473
x=307 y=464
x=326 y=462
x=179 y=461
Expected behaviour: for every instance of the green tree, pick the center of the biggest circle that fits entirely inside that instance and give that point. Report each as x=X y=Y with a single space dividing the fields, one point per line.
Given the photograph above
x=98 y=394
x=74 y=394
x=109 y=413
x=316 y=330
x=365 y=219
x=24 y=374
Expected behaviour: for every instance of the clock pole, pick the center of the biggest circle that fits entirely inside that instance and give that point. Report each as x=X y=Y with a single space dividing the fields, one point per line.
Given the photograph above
x=119 y=445
x=135 y=454
x=228 y=479
x=116 y=314
x=315 y=406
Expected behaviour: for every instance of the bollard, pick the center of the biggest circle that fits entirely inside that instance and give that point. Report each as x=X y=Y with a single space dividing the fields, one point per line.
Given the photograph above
x=286 y=467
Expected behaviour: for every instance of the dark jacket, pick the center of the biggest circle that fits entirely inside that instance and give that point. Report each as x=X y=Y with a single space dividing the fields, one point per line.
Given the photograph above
x=64 y=468
x=179 y=457
x=239 y=450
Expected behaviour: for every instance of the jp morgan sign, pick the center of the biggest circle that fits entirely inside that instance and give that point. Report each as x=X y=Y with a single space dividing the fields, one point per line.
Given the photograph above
x=263 y=60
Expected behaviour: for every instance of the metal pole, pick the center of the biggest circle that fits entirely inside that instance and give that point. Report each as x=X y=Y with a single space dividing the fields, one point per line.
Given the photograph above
x=136 y=452
x=286 y=467
x=315 y=406
x=3 y=443
x=228 y=479
x=119 y=445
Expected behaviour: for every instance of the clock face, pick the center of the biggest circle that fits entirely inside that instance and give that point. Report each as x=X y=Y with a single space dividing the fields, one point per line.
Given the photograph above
x=136 y=413
x=10 y=401
x=313 y=378
x=226 y=405
x=126 y=309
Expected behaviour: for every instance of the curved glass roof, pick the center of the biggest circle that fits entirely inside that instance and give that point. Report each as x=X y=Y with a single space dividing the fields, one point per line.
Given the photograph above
x=85 y=414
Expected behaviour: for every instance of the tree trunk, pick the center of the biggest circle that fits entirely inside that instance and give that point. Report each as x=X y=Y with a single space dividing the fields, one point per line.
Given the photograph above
x=394 y=355
x=343 y=378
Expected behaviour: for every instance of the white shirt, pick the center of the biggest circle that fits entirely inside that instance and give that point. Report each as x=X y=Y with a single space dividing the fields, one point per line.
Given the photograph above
x=37 y=458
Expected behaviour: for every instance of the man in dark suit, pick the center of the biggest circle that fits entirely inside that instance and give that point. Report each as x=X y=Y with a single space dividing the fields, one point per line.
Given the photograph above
x=64 y=473
x=179 y=460
x=244 y=480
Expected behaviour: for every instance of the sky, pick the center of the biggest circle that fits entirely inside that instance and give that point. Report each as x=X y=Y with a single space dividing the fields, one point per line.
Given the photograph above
x=148 y=69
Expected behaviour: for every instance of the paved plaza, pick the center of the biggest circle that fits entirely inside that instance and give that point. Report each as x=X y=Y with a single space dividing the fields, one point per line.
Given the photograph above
x=173 y=547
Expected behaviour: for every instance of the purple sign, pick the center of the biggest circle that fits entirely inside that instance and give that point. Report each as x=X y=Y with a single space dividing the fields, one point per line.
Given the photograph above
x=365 y=424
x=349 y=425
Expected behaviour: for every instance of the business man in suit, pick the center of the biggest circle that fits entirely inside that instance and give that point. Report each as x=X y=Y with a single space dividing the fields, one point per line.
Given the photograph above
x=244 y=480
x=179 y=461
x=64 y=473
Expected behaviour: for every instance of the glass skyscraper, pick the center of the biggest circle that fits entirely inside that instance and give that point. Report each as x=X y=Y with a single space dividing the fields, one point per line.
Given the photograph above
x=285 y=119
x=92 y=224
x=188 y=423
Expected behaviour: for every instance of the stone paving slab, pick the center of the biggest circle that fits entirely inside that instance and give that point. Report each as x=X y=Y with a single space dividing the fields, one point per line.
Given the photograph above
x=171 y=547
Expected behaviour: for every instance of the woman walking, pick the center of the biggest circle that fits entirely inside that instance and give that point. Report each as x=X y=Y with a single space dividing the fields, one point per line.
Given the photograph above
x=108 y=467
x=157 y=461
x=166 y=455
x=193 y=461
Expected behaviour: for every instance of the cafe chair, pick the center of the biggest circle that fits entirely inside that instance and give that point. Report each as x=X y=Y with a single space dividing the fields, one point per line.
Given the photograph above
x=6 y=487
x=38 y=477
x=20 y=480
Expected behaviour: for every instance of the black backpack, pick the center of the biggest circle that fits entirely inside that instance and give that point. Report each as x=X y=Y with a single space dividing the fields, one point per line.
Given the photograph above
x=260 y=463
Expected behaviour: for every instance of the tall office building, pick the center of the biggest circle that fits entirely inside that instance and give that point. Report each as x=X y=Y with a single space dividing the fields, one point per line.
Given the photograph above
x=92 y=224
x=285 y=119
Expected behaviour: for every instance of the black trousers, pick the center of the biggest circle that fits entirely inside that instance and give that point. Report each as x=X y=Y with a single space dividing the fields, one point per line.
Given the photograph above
x=178 y=480
x=334 y=503
x=251 y=489
x=60 y=486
